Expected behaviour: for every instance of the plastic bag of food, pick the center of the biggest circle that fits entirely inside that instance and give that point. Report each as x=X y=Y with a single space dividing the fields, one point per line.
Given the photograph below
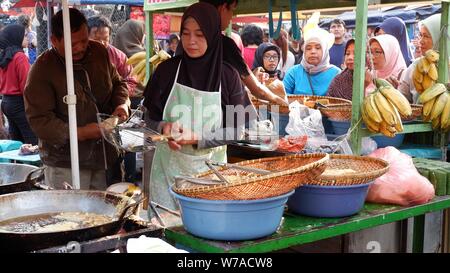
x=305 y=121
x=402 y=184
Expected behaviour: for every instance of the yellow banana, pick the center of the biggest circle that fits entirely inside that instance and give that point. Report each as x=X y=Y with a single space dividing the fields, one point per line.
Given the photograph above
x=418 y=86
x=432 y=56
x=436 y=123
x=385 y=108
x=138 y=68
x=427 y=82
x=398 y=100
x=136 y=58
x=433 y=73
x=373 y=126
x=426 y=110
x=371 y=109
x=417 y=76
x=154 y=58
x=398 y=119
x=423 y=65
x=432 y=92
x=439 y=105
x=164 y=55
x=387 y=130
x=155 y=64
x=445 y=115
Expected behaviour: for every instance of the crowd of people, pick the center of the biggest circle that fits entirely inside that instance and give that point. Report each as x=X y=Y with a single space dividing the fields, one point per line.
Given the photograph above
x=208 y=71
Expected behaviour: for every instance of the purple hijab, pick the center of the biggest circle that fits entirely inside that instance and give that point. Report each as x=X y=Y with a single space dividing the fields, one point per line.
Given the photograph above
x=397 y=28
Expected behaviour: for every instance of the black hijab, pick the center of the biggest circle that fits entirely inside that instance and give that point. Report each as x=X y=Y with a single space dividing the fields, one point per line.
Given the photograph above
x=203 y=73
x=11 y=38
x=259 y=57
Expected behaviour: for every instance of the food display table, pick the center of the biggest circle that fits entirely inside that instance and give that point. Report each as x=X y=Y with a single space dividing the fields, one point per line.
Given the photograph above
x=296 y=230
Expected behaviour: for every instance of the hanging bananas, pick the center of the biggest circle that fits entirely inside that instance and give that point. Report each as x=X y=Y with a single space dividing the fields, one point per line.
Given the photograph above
x=436 y=106
x=425 y=73
x=382 y=109
x=139 y=64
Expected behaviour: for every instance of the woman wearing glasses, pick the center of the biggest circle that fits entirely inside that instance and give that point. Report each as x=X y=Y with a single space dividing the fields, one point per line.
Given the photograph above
x=267 y=58
x=386 y=57
x=428 y=39
x=315 y=73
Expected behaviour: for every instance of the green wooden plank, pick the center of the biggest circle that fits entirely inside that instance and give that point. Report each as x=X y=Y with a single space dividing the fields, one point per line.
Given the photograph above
x=358 y=73
x=297 y=229
x=149 y=42
x=407 y=128
x=167 y=5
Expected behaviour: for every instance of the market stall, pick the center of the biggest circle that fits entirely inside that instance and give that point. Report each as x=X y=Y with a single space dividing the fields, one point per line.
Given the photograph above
x=298 y=229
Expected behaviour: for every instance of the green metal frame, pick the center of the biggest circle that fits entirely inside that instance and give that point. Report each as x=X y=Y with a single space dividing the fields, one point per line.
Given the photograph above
x=297 y=230
x=358 y=79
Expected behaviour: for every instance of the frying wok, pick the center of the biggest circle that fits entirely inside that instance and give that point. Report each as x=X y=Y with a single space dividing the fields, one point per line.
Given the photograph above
x=18 y=177
x=31 y=203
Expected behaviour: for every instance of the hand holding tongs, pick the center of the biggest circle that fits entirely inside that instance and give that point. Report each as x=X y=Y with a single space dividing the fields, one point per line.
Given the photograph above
x=237 y=167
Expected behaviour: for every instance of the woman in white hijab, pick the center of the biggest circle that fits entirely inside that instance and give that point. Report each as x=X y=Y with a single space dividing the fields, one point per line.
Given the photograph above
x=315 y=73
x=428 y=39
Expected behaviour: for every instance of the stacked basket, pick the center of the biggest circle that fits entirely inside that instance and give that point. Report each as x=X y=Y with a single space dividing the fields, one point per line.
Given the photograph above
x=251 y=207
x=287 y=173
x=341 y=190
x=300 y=98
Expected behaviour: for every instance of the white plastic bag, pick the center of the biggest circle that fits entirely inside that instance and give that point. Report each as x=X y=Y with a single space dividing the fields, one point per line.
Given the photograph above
x=305 y=121
x=402 y=184
x=368 y=145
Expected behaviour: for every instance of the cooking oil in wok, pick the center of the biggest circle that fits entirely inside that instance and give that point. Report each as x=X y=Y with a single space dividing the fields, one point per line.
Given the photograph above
x=53 y=222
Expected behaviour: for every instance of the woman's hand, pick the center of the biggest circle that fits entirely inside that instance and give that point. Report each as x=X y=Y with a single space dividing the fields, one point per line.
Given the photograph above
x=393 y=80
x=368 y=79
x=121 y=111
x=180 y=135
x=261 y=75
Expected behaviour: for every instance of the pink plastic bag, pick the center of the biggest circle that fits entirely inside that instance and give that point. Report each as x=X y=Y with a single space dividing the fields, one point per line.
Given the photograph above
x=402 y=184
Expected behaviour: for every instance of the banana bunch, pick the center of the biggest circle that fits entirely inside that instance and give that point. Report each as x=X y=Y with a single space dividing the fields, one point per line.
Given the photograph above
x=425 y=73
x=436 y=106
x=139 y=64
x=382 y=109
x=158 y=58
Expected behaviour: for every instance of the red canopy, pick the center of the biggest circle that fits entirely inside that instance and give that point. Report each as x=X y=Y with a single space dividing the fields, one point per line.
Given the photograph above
x=250 y=19
x=28 y=3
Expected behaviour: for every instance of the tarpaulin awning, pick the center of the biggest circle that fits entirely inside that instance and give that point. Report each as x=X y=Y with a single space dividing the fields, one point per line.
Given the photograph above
x=32 y=3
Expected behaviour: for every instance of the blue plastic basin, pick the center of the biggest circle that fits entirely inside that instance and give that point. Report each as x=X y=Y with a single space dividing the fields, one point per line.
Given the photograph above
x=384 y=141
x=339 y=127
x=329 y=130
x=328 y=201
x=231 y=220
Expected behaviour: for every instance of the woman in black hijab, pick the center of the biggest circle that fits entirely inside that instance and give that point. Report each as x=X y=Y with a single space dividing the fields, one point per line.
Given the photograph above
x=14 y=67
x=184 y=96
x=206 y=73
x=268 y=57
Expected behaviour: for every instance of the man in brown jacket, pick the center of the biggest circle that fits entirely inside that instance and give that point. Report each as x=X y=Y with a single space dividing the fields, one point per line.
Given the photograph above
x=98 y=88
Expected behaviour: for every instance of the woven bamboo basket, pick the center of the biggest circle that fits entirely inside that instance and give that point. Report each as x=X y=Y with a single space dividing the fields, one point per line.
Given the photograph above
x=288 y=173
x=302 y=99
x=337 y=112
x=416 y=112
x=366 y=169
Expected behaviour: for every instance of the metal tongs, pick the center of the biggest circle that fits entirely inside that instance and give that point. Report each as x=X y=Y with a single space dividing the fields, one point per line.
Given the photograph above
x=183 y=181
